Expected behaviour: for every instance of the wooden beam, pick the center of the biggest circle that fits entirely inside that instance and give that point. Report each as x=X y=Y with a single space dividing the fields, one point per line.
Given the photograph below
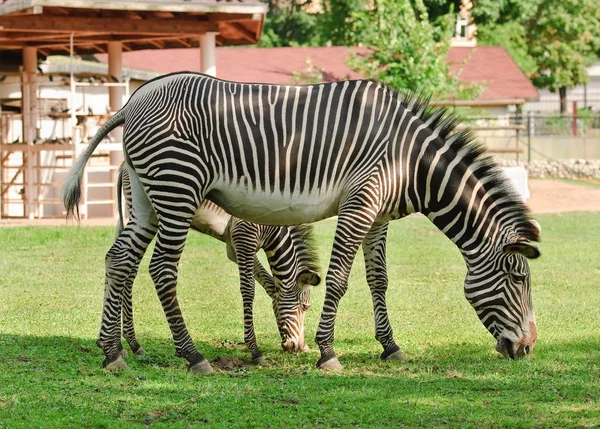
x=225 y=17
x=24 y=36
x=133 y=15
x=238 y=29
x=184 y=42
x=60 y=40
x=97 y=46
x=159 y=44
x=162 y=14
x=57 y=24
x=61 y=10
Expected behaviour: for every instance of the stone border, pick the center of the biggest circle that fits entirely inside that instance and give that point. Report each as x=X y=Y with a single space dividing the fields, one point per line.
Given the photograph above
x=559 y=169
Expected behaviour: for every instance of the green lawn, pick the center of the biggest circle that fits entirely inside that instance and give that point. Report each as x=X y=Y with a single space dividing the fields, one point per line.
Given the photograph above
x=51 y=289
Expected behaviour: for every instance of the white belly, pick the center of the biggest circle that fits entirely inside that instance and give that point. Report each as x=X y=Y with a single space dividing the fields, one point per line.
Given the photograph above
x=274 y=209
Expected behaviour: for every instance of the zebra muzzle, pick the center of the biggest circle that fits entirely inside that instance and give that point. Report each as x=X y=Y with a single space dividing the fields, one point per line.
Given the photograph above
x=292 y=346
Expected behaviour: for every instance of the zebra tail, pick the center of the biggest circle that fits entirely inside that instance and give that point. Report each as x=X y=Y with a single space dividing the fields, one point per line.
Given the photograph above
x=71 y=190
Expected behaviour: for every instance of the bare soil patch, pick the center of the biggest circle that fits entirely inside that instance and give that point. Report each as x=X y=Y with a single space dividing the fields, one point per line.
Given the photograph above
x=556 y=196
x=227 y=363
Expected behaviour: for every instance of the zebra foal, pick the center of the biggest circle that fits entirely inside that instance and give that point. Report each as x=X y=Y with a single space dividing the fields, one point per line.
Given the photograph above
x=291 y=255
x=284 y=155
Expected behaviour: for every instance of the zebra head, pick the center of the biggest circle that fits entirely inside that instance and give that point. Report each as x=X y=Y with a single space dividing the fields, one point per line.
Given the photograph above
x=292 y=297
x=500 y=292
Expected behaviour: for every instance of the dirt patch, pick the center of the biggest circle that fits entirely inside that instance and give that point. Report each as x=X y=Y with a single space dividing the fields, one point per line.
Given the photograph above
x=556 y=196
x=227 y=363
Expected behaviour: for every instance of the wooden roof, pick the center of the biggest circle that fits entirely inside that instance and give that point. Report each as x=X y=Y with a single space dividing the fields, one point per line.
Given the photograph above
x=138 y=24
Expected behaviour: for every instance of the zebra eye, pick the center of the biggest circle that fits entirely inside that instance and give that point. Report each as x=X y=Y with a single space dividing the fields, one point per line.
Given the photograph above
x=520 y=278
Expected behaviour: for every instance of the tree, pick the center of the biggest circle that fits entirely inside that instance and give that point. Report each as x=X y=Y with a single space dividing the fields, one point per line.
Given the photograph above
x=336 y=25
x=406 y=51
x=287 y=24
x=552 y=41
x=563 y=38
x=298 y=23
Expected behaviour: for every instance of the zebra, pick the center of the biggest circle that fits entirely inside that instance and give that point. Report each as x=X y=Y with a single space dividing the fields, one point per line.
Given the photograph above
x=284 y=155
x=292 y=259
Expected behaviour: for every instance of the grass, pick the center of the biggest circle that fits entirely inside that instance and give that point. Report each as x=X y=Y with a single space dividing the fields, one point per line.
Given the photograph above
x=51 y=288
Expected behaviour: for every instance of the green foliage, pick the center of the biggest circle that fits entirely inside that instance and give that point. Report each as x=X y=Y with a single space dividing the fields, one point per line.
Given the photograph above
x=563 y=37
x=310 y=75
x=289 y=25
x=552 y=41
x=440 y=8
x=336 y=24
x=406 y=51
x=494 y=12
x=587 y=116
x=502 y=23
x=51 y=375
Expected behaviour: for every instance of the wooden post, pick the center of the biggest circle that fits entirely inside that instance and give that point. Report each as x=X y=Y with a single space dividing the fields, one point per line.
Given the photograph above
x=574 y=122
x=115 y=69
x=529 y=132
x=208 y=62
x=29 y=112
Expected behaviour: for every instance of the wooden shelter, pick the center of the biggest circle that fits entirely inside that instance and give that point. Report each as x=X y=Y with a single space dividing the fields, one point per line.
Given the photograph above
x=34 y=28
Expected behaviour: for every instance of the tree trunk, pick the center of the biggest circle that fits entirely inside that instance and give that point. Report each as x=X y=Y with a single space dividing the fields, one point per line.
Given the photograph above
x=562 y=93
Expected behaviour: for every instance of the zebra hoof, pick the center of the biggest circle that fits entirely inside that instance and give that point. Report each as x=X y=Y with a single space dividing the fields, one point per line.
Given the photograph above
x=392 y=353
x=202 y=367
x=330 y=365
x=140 y=352
x=118 y=363
x=260 y=360
x=397 y=355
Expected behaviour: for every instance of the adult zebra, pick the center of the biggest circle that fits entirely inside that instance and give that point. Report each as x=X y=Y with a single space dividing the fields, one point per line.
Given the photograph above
x=287 y=155
x=292 y=259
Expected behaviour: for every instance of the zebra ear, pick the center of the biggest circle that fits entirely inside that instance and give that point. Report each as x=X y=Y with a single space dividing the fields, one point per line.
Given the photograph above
x=309 y=277
x=526 y=248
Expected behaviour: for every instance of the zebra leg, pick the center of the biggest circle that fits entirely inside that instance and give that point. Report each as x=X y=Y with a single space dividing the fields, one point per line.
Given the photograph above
x=128 y=325
x=122 y=261
x=264 y=278
x=246 y=269
x=354 y=221
x=170 y=241
x=374 y=250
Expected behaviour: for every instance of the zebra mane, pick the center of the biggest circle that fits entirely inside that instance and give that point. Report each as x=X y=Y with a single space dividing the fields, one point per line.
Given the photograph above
x=305 y=245
x=442 y=119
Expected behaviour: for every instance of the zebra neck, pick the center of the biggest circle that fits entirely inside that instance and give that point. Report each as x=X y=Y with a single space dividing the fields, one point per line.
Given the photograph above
x=479 y=229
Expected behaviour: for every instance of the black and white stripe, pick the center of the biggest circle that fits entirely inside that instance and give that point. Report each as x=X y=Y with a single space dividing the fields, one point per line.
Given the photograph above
x=284 y=155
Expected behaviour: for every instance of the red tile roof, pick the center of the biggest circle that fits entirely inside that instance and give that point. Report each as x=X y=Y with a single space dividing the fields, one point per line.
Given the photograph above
x=491 y=67
x=494 y=69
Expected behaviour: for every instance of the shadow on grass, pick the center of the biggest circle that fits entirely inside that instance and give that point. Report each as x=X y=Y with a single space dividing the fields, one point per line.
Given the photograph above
x=161 y=352
x=456 y=385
